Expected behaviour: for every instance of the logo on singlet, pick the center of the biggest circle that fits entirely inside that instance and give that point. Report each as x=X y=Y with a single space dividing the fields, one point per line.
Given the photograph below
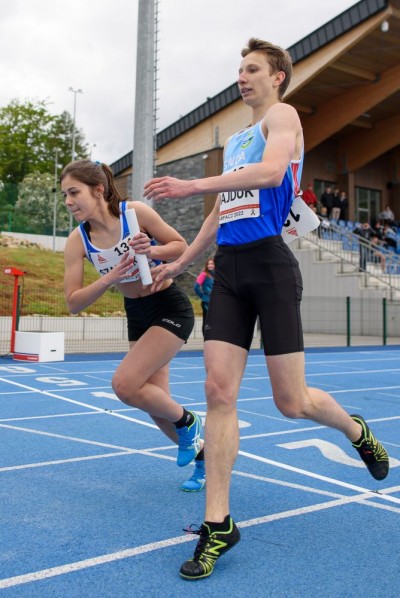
x=247 y=140
x=101 y=259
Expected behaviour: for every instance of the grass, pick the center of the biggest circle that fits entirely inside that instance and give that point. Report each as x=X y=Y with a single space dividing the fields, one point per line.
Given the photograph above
x=42 y=287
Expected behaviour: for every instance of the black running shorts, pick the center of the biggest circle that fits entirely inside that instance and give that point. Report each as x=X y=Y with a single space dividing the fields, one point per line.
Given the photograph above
x=260 y=279
x=171 y=309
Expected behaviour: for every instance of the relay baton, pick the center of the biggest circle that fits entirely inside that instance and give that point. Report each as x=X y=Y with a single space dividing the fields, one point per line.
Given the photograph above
x=141 y=260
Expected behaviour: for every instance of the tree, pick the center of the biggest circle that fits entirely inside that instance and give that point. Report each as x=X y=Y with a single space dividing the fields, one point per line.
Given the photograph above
x=34 y=210
x=60 y=137
x=29 y=136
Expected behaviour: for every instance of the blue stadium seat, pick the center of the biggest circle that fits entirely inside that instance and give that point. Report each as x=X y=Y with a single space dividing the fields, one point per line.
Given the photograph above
x=393 y=269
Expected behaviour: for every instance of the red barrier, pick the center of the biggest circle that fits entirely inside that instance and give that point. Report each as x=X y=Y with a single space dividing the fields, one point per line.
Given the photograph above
x=16 y=273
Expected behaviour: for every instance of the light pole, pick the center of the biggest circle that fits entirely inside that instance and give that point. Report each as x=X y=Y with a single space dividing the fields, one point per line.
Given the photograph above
x=74 y=91
x=55 y=199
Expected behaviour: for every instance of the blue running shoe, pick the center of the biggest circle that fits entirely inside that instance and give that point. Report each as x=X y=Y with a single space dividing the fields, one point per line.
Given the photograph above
x=189 y=441
x=198 y=479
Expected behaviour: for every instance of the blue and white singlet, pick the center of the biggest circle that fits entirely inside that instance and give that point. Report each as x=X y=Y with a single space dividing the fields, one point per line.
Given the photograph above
x=246 y=216
x=105 y=260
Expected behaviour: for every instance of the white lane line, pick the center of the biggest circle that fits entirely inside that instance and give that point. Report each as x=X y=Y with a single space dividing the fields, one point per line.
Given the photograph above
x=175 y=396
x=53 y=416
x=63 y=437
x=139 y=550
x=367 y=389
x=64 y=461
x=69 y=438
x=322 y=478
x=98 y=378
x=364 y=498
x=312 y=428
x=73 y=414
x=279 y=419
x=80 y=403
x=17 y=393
x=346 y=361
x=93 y=562
x=149 y=452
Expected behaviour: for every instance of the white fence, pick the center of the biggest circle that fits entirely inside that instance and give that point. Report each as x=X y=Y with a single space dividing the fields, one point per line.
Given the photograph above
x=334 y=316
x=93 y=334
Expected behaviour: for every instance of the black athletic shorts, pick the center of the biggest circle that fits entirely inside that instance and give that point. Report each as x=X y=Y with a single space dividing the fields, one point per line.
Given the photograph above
x=260 y=279
x=171 y=309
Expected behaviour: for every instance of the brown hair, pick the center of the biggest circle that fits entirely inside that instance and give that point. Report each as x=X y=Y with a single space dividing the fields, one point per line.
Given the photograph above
x=92 y=174
x=206 y=268
x=278 y=59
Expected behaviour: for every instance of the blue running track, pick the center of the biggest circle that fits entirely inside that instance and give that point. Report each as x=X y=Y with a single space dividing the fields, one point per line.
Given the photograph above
x=90 y=498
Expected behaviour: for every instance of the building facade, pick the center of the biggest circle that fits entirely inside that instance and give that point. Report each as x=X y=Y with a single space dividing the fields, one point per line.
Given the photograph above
x=346 y=88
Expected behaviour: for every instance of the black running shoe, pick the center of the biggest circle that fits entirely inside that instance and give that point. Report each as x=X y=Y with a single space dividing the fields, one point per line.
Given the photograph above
x=209 y=548
x=371 y=451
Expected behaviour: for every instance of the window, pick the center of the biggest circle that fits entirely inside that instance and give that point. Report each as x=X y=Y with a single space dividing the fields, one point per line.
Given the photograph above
x=320 y=186
x=368 y=203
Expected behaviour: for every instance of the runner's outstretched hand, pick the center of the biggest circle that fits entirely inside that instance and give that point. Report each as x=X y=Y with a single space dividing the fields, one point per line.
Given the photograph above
x=168 y=186
x=163 y=272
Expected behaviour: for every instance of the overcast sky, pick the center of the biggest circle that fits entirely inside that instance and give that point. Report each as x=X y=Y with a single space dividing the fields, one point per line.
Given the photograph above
x=47 y=46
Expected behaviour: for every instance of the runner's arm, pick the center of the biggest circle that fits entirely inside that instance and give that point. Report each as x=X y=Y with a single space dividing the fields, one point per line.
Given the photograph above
x=204 y=239
x=282 y=125
x=170 y=243
x=77 y=296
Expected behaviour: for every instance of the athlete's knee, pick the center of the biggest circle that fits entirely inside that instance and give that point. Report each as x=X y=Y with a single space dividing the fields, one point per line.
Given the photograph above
x=119 y=388
x=219 y=394
x=293 y=407
x=123 y=387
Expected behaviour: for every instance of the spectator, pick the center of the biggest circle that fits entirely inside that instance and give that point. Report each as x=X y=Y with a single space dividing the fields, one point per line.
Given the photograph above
x=344 y=206
x=386 y=216
x=327 y=200
x=364 y=232
x=376 y=256
x=389 y=236
x=322 y=214
x=335 y=214
x=378 y=231
x=203 y=286
x=309 y=197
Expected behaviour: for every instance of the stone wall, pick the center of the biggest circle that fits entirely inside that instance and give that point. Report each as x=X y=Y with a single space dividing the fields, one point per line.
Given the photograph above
x=185 y=215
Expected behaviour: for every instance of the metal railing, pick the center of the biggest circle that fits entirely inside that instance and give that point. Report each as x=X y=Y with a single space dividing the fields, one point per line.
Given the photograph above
x=378 y=266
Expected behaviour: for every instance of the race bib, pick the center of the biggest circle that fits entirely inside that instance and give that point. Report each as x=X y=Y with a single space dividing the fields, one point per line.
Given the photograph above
x=301 y=220
x=107 y=259
x=235 y=205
